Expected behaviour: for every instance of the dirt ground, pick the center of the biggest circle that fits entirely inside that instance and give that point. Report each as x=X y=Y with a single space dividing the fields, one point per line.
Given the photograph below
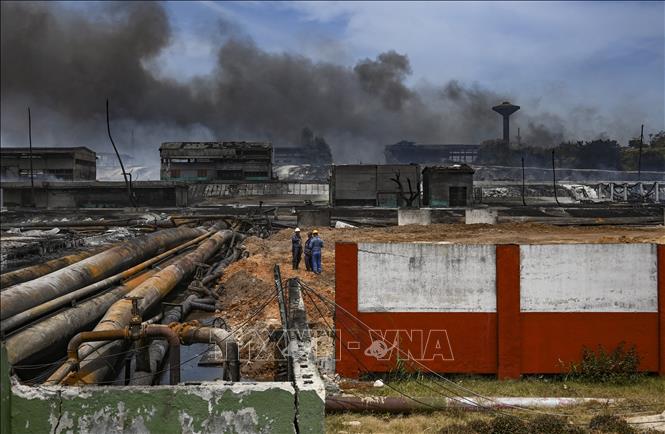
x=249 y=283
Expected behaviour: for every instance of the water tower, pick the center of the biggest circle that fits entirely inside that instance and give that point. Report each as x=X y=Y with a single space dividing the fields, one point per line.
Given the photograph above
x=506 y=109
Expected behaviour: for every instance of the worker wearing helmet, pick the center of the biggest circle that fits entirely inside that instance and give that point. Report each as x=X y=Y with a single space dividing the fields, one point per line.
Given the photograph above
x=296 y=248
x=316 y=244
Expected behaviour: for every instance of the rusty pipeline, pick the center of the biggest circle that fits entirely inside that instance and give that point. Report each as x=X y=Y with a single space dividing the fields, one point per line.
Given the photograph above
x=127 y=333
x=29 y=273
x=157 y=349
x=26 y=295
x=166 y=332
x=57 y=329
x=82 y=337
x=154 y=289
x=193 y=333
x=44 y=308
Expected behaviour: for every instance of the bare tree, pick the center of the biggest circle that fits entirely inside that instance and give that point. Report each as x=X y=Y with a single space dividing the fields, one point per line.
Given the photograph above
x=411 y=196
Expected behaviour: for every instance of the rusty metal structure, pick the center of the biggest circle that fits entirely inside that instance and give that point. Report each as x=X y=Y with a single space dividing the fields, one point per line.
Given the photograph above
x=24 y=296
x=150 y=292
x=42 y=309
x=38 y=270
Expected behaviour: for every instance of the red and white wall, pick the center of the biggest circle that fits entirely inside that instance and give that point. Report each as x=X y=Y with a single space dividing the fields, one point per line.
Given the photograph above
x=505 y=309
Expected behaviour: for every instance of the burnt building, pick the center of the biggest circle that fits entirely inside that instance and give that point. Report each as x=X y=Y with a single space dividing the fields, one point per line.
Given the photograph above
x=411 y=153
x=216 y=161
x=450 y=186
x=312 y=150
x=48 y=164
x=375 y=185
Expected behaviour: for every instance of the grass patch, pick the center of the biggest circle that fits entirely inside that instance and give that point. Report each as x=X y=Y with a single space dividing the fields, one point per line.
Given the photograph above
x=646 y=394
x=644 y=387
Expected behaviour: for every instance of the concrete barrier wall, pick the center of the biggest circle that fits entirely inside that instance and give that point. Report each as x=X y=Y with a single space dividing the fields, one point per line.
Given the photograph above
x=588 y=278
x=420 y=277
x=502 y=309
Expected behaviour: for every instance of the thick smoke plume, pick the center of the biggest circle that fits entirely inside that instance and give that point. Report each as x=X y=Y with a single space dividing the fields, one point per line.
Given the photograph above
x=64 y=63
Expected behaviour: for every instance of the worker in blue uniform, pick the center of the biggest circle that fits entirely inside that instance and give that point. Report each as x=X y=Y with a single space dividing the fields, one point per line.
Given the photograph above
x=296 y=248
x=308 y=252
x=316 y=245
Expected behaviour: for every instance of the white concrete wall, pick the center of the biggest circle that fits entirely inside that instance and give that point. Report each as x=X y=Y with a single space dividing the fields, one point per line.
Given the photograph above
x=589 y=278
x=481 y=216
x=426 y=277
x=422 y=216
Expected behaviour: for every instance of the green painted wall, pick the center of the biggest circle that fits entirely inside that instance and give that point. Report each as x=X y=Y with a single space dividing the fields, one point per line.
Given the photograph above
x=211 y=407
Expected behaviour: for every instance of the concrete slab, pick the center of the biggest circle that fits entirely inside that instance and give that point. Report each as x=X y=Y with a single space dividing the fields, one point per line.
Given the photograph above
x=481 y=216
x=421 y=216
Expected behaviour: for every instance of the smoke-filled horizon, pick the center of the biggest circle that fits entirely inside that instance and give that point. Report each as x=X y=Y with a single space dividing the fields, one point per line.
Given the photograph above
x=64 y=63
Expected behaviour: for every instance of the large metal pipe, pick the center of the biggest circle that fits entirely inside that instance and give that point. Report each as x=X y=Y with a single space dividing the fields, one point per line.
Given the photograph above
x=224 y=340
x=75 y=319
x=29 y=273
x=59 y=327
x=26 y=295
x=148 y=331
x=392 y=404
x=218 y=271
x=157 y=349
x=152 y=291
x=44 y=308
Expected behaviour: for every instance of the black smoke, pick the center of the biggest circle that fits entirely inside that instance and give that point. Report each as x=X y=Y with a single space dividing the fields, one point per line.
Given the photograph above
x=64 y=63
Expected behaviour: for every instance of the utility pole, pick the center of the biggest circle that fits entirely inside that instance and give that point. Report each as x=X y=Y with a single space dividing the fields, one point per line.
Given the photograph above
x=523 y=183
x=122 y=166
x=32 y=173
x=639 y=158
x=556 y=197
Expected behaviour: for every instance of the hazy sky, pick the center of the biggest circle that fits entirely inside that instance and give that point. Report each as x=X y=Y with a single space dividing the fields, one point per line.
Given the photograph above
x=551 y=55
x=364 y=74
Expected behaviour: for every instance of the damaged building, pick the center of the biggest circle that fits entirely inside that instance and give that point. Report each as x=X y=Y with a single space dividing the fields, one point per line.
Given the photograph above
x=311 y=150
x=216 y=161
x=390 y=185
x=52 y=163
x=406 y=152
x=448 y=186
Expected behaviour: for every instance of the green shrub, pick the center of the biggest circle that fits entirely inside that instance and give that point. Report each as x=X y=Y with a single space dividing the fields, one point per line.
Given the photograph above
x=617 y=366
x=480 y=426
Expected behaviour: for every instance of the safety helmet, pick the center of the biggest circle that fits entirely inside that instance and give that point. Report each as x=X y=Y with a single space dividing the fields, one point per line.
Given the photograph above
x=315 y=231
x=297 y=229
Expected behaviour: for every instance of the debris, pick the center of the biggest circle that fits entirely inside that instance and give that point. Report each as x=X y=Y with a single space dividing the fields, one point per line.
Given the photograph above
x=341 y=225
x=352 y=423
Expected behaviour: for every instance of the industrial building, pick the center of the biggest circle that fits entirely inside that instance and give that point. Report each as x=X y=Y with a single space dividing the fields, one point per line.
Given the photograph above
x=58 y=164
x=450 y=186
x=406 y=152
x=216 y=161
x=312 y=150
x=390 y=185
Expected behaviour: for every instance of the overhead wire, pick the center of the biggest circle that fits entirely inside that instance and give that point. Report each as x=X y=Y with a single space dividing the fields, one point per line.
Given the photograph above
x=455 y=398
x=436 y=374
x=515 y=407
